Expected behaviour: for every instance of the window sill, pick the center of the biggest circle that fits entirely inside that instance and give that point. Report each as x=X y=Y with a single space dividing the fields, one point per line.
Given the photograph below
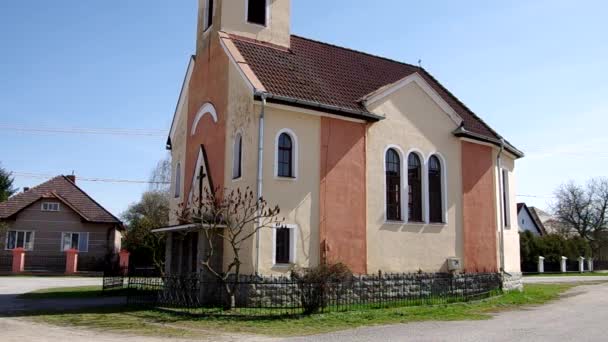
x=286 y=179
x=235 y=180
x=283 y=266
x=394 y=222
x=258 y=25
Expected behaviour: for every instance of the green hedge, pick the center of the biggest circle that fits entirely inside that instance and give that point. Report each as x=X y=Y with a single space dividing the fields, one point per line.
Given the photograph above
x=552 y=247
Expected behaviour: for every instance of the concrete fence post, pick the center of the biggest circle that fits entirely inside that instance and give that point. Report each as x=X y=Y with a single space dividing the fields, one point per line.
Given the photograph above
x=18 y=260
x=71 y=261
x=590 y=264
x=563 y=264
x=581 y=264
x=541 y=264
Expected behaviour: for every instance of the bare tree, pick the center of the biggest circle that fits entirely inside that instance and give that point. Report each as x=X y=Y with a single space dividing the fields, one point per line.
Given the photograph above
x=585 y=209
x=160 y=178
x=233 y=217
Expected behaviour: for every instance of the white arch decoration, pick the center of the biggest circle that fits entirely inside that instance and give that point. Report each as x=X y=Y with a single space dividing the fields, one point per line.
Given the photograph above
x=206 y=108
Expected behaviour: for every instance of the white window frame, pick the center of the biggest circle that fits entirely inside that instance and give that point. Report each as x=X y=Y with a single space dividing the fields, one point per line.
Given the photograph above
x=46 y=206
x=32 y=240
x=236 y=158
x=80 y=235
x=267 y=14
x=402 y=185
x=178 y=181
x=444 y=190
x=294 y=155
x=293 y=233
x=423 y=186
x=206 y=25
x=506 y=197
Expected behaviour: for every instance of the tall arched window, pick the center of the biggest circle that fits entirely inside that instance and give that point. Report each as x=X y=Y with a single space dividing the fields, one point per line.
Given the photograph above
x=285 y=157
x=393 y=185
x=178 y=180
x=435 y=196
x=237 y=157
x=414 y=179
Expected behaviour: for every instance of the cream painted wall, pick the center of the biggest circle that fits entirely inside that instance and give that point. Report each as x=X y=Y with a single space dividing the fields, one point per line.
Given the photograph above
x=242 y=117
x=277 y=30
x=298 y=198
x=178 y=155
x=511 y=239
x=413 y=121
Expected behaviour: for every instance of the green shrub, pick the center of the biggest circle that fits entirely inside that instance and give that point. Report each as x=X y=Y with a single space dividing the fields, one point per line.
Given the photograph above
x=316 y=282
x=552 y=247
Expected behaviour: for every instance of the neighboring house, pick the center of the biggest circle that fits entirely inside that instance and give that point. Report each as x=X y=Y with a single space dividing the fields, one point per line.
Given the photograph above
x=372 y=161
x=529 y=221
x=55 y=216
x=551 y=224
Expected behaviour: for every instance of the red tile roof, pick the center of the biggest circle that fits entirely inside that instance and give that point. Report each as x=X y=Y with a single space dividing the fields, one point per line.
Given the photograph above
x=65 y=190
x=336 y=76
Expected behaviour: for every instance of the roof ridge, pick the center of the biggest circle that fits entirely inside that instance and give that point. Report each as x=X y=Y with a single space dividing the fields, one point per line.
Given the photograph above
x=91 y=198
x=357 y=51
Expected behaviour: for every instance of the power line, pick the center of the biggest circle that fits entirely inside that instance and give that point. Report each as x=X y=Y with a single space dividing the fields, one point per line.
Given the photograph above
x=87 y=179
x=94 y=131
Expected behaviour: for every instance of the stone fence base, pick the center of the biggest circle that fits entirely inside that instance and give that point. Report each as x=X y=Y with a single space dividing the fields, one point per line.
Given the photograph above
x=512 y=282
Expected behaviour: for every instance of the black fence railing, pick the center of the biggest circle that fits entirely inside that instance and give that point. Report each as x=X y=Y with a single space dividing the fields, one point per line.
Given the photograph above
x=6 y=262
x=91 y=263
x=256 y=296
x=36 y=262
x=600 y=265
x=572 y=266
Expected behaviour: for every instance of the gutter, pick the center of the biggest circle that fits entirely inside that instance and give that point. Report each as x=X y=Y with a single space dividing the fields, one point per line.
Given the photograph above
x=260 y=189
x=462 y=132
x=348 y=112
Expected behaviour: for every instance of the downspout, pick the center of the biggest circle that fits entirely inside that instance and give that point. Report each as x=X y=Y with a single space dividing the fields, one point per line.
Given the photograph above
x=501 y=203
x=260 y=175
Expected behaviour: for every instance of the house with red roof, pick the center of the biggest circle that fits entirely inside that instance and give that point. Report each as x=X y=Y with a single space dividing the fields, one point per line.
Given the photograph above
x=372 y=161
x=57 y=216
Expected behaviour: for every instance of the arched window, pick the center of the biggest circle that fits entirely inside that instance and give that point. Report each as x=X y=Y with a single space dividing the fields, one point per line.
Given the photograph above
x=237 y=157
x=285 y=157
x=414 y=179
x=435 y=196
x=393 y=185
x=178 y=180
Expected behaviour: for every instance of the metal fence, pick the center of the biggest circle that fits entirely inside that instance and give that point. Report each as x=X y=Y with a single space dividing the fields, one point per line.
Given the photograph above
x=6 y=262
x=91 y=263
x=268 y=296
x=35 y=262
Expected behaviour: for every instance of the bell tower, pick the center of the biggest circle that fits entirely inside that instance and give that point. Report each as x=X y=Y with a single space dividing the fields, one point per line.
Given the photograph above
x=267 y=21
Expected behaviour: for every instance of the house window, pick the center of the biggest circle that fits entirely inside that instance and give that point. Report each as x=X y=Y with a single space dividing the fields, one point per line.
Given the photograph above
x=78 y=241
x=208 y=20
x=435 y=195
x=505 y=198
x=237 y=155
x=257 y=12
x=20 y=239
x=393 y=185
x=50 y=206
x=286 y=156
x=178 y=180
x=414 y=179
x=284 y=244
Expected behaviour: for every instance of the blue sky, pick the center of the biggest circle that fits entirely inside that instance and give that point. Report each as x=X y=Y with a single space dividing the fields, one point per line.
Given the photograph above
x=534 y=70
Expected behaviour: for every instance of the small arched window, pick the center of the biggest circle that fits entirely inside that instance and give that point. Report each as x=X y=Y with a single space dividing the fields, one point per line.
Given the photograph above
x=285 y=156
x=435 y=195
x=414 y=179
x=393 y=185
x=237 y=157
x=178 y=180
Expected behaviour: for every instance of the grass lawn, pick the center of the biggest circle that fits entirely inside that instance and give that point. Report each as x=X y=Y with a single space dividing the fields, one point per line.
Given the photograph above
x=570 y=274
x=71 y=292
x=159 y=323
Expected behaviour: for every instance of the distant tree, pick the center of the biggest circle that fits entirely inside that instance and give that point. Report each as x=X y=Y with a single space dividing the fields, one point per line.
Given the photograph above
x=160 y=179
x=3 y=230
x=6 y=185
x=151 y=212
x=584 y=209
x=229 y=218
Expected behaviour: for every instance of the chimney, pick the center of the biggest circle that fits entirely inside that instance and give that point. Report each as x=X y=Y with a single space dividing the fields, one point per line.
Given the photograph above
x=26 y=189
x=72 y=178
